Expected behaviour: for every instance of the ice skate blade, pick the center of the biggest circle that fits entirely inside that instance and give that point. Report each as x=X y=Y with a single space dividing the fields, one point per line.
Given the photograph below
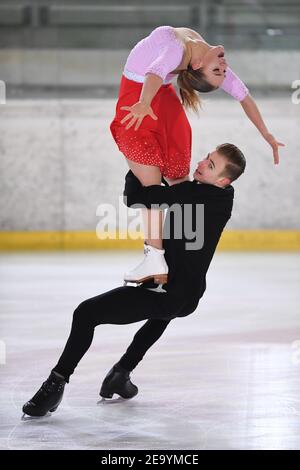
x=157 y=289
x=154 y=289
x=110 y=401
x=26 y=417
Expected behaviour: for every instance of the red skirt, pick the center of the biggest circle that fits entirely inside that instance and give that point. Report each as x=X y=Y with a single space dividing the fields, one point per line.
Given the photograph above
x=166 y=142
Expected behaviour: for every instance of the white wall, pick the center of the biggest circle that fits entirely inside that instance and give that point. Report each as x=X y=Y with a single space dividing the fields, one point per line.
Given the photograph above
x=59 y=162
x=69 y=67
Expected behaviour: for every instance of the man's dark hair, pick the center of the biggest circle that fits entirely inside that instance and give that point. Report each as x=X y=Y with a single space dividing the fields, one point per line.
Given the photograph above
x=236 y=162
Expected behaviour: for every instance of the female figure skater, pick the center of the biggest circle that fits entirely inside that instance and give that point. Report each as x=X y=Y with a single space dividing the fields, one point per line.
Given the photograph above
x=150 y=126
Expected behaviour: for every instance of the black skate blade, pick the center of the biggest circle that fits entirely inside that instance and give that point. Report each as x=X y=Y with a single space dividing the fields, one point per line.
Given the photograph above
x=26 y=417
x=109 y=401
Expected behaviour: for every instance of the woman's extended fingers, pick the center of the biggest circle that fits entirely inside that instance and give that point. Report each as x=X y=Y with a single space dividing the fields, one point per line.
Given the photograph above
x=131 y=123
x=136 y=114
x=153 y=115
x=128 y=116
x=139 y=122
x=275 y=156
x=275 y=146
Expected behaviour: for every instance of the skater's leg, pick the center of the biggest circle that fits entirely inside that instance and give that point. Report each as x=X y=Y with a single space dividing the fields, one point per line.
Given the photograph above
x=118 y=381
x=145 y=337
x=154 y=265
x=153 y=219
x=79 y=341
x=120 y=306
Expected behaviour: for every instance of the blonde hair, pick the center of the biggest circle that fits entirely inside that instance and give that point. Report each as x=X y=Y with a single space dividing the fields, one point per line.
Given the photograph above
x=190 y=82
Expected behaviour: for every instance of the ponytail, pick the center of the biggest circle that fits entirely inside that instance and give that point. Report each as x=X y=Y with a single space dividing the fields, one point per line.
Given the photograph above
x=190 y=82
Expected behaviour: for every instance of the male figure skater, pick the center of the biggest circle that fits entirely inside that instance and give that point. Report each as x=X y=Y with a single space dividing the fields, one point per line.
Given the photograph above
x=188 y=261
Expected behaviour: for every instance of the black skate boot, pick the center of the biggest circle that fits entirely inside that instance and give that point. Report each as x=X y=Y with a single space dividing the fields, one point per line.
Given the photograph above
x=47 y=398
x=118 y=381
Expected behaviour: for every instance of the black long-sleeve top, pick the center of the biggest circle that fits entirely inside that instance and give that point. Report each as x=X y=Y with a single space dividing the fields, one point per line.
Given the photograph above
x=187 y=267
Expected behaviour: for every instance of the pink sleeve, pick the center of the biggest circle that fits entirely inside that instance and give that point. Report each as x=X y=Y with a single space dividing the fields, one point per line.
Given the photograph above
x=234 y=86
x=169 y=52
x=167 y=61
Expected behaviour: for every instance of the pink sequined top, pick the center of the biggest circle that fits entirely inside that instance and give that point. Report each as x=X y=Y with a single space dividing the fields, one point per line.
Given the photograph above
x=161 y=52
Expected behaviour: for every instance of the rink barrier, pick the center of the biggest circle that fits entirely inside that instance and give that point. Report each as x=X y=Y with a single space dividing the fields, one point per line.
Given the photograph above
x=231 y=240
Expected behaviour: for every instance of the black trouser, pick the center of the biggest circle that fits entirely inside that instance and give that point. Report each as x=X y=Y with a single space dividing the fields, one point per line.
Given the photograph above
x=119 y=306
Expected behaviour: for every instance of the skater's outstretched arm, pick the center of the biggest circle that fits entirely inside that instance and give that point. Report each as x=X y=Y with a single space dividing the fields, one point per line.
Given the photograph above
x=135 y=193
x=182 y=193
x=234 y=86
x=253 y=113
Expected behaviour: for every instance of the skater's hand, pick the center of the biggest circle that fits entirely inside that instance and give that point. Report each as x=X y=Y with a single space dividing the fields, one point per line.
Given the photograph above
x=137 y=113
x=275 y=146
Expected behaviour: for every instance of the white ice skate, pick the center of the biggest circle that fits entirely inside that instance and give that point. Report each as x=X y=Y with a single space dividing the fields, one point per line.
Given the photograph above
x=153 y=267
